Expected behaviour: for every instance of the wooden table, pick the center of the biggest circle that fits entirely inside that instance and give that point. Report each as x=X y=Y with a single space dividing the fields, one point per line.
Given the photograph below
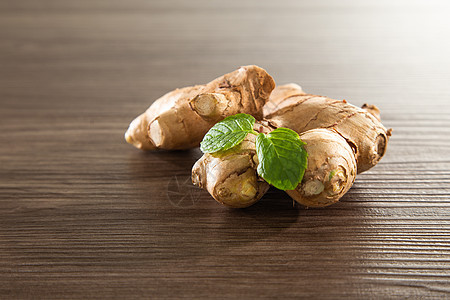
x=85 y=215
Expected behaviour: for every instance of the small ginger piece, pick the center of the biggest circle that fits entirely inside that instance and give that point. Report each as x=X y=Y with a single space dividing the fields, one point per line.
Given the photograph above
x=331 y=169
x=230 y=176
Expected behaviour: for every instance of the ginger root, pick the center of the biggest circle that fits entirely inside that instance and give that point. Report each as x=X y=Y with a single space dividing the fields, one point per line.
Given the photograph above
x=180 y=119
x=341 y=140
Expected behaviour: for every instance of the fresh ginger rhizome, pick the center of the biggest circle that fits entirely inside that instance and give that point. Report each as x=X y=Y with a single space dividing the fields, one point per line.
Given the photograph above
x=311 y=146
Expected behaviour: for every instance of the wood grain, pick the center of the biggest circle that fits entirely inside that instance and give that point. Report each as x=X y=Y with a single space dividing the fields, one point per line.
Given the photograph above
x=84 y=215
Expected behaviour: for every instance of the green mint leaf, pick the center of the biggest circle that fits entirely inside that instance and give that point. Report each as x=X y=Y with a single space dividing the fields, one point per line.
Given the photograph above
x=227 y=133
x=282 y=158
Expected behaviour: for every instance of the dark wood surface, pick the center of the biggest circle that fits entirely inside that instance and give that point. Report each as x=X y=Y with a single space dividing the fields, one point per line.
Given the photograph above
x=84 y=215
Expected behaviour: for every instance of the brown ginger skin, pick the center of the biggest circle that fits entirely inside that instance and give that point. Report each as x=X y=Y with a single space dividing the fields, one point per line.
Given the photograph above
x=230 y=176
x=279 y=95
x=359 y=127
x=180 y=119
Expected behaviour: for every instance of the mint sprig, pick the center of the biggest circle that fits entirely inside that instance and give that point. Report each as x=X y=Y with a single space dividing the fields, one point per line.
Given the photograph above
x=227 y=133
x=282 y=157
